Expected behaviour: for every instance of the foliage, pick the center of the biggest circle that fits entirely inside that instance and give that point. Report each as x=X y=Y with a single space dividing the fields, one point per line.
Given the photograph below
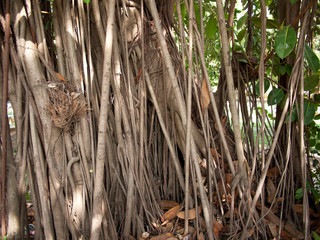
x=285 y=41
x=315 y=191
x=315 y=235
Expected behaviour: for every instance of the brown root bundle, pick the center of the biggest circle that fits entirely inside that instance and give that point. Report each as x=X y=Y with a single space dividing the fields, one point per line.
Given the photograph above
x=65 y=105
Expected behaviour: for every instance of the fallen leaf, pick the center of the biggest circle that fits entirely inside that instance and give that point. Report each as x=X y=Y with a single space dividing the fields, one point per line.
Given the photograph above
x=192 y=213
x=215 y=154
x=61 y=78
x=145 y=235
x=162 y=236
x=205 y=96
x=188 y=237
x=273 y=172
x=285 y=235
x=271 y=190
x=202 y=223
x=273 y=229
x=229 y=178
x=201 y=236
x=290 y=228
x=172 y=213
x=315 y=224
x=217 y=227
x=235 y=213
x=166 y=204
x=236 y=165
x=299 y=209
x=317 y=230
x=168 y=227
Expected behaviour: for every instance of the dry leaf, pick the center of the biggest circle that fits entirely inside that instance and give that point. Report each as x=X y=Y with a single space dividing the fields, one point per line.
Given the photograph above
x=201 y=236
x=315 y=224
x=317 y=230
x=202 y=223
x=217 y=227
x=271 y=190
x=168 y=227
x=273 y=172
x=162 y=236
x=273 y=229
x=290 y=228
x=61 y=78
x=215 y=154
x=166 y=204
x=191 y=213
x=145 y=235
x=205 y=96
x=229 y=178
x=235 y=213
x=192 y=230
x=236 y=165
x=299 y=209
x=172 y=213
x=188 y=237
x=169 y=235
x=285 y=235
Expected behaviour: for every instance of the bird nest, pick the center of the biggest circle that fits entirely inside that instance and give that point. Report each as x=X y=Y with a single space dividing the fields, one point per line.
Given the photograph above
x=66 y=106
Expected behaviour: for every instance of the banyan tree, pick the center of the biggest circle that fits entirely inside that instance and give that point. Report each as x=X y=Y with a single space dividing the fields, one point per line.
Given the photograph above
x=119 y=134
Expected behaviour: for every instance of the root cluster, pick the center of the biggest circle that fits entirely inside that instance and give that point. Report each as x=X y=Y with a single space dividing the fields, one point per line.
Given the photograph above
x=66 y=106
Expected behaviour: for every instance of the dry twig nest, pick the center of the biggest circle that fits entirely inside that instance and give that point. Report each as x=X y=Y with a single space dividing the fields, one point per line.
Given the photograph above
x=66 y=106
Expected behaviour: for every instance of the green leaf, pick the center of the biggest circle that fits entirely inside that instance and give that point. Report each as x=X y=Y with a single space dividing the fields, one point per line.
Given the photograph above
x=289 y=68
x=317 y=97
x=241 y=34
x=299 y=193
x=294 y=1
x=241 y=21
x=256 y=21
x=282 y=69
x=294 y=115
x=86 y=1
x=285 y=41
x=317 y=117
x=318 y=146
x=212 y=27
x=266 y=86
x=312 y=142
x=310 y=82
x=309 y=112
x=242 y=60
x=272 y=24
x=197 y=12
x=315 y=235
x=271 y=116
x=275 y=96
x=312 y=58
x=183 y=11
x=268 y=2
x=238 y=48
